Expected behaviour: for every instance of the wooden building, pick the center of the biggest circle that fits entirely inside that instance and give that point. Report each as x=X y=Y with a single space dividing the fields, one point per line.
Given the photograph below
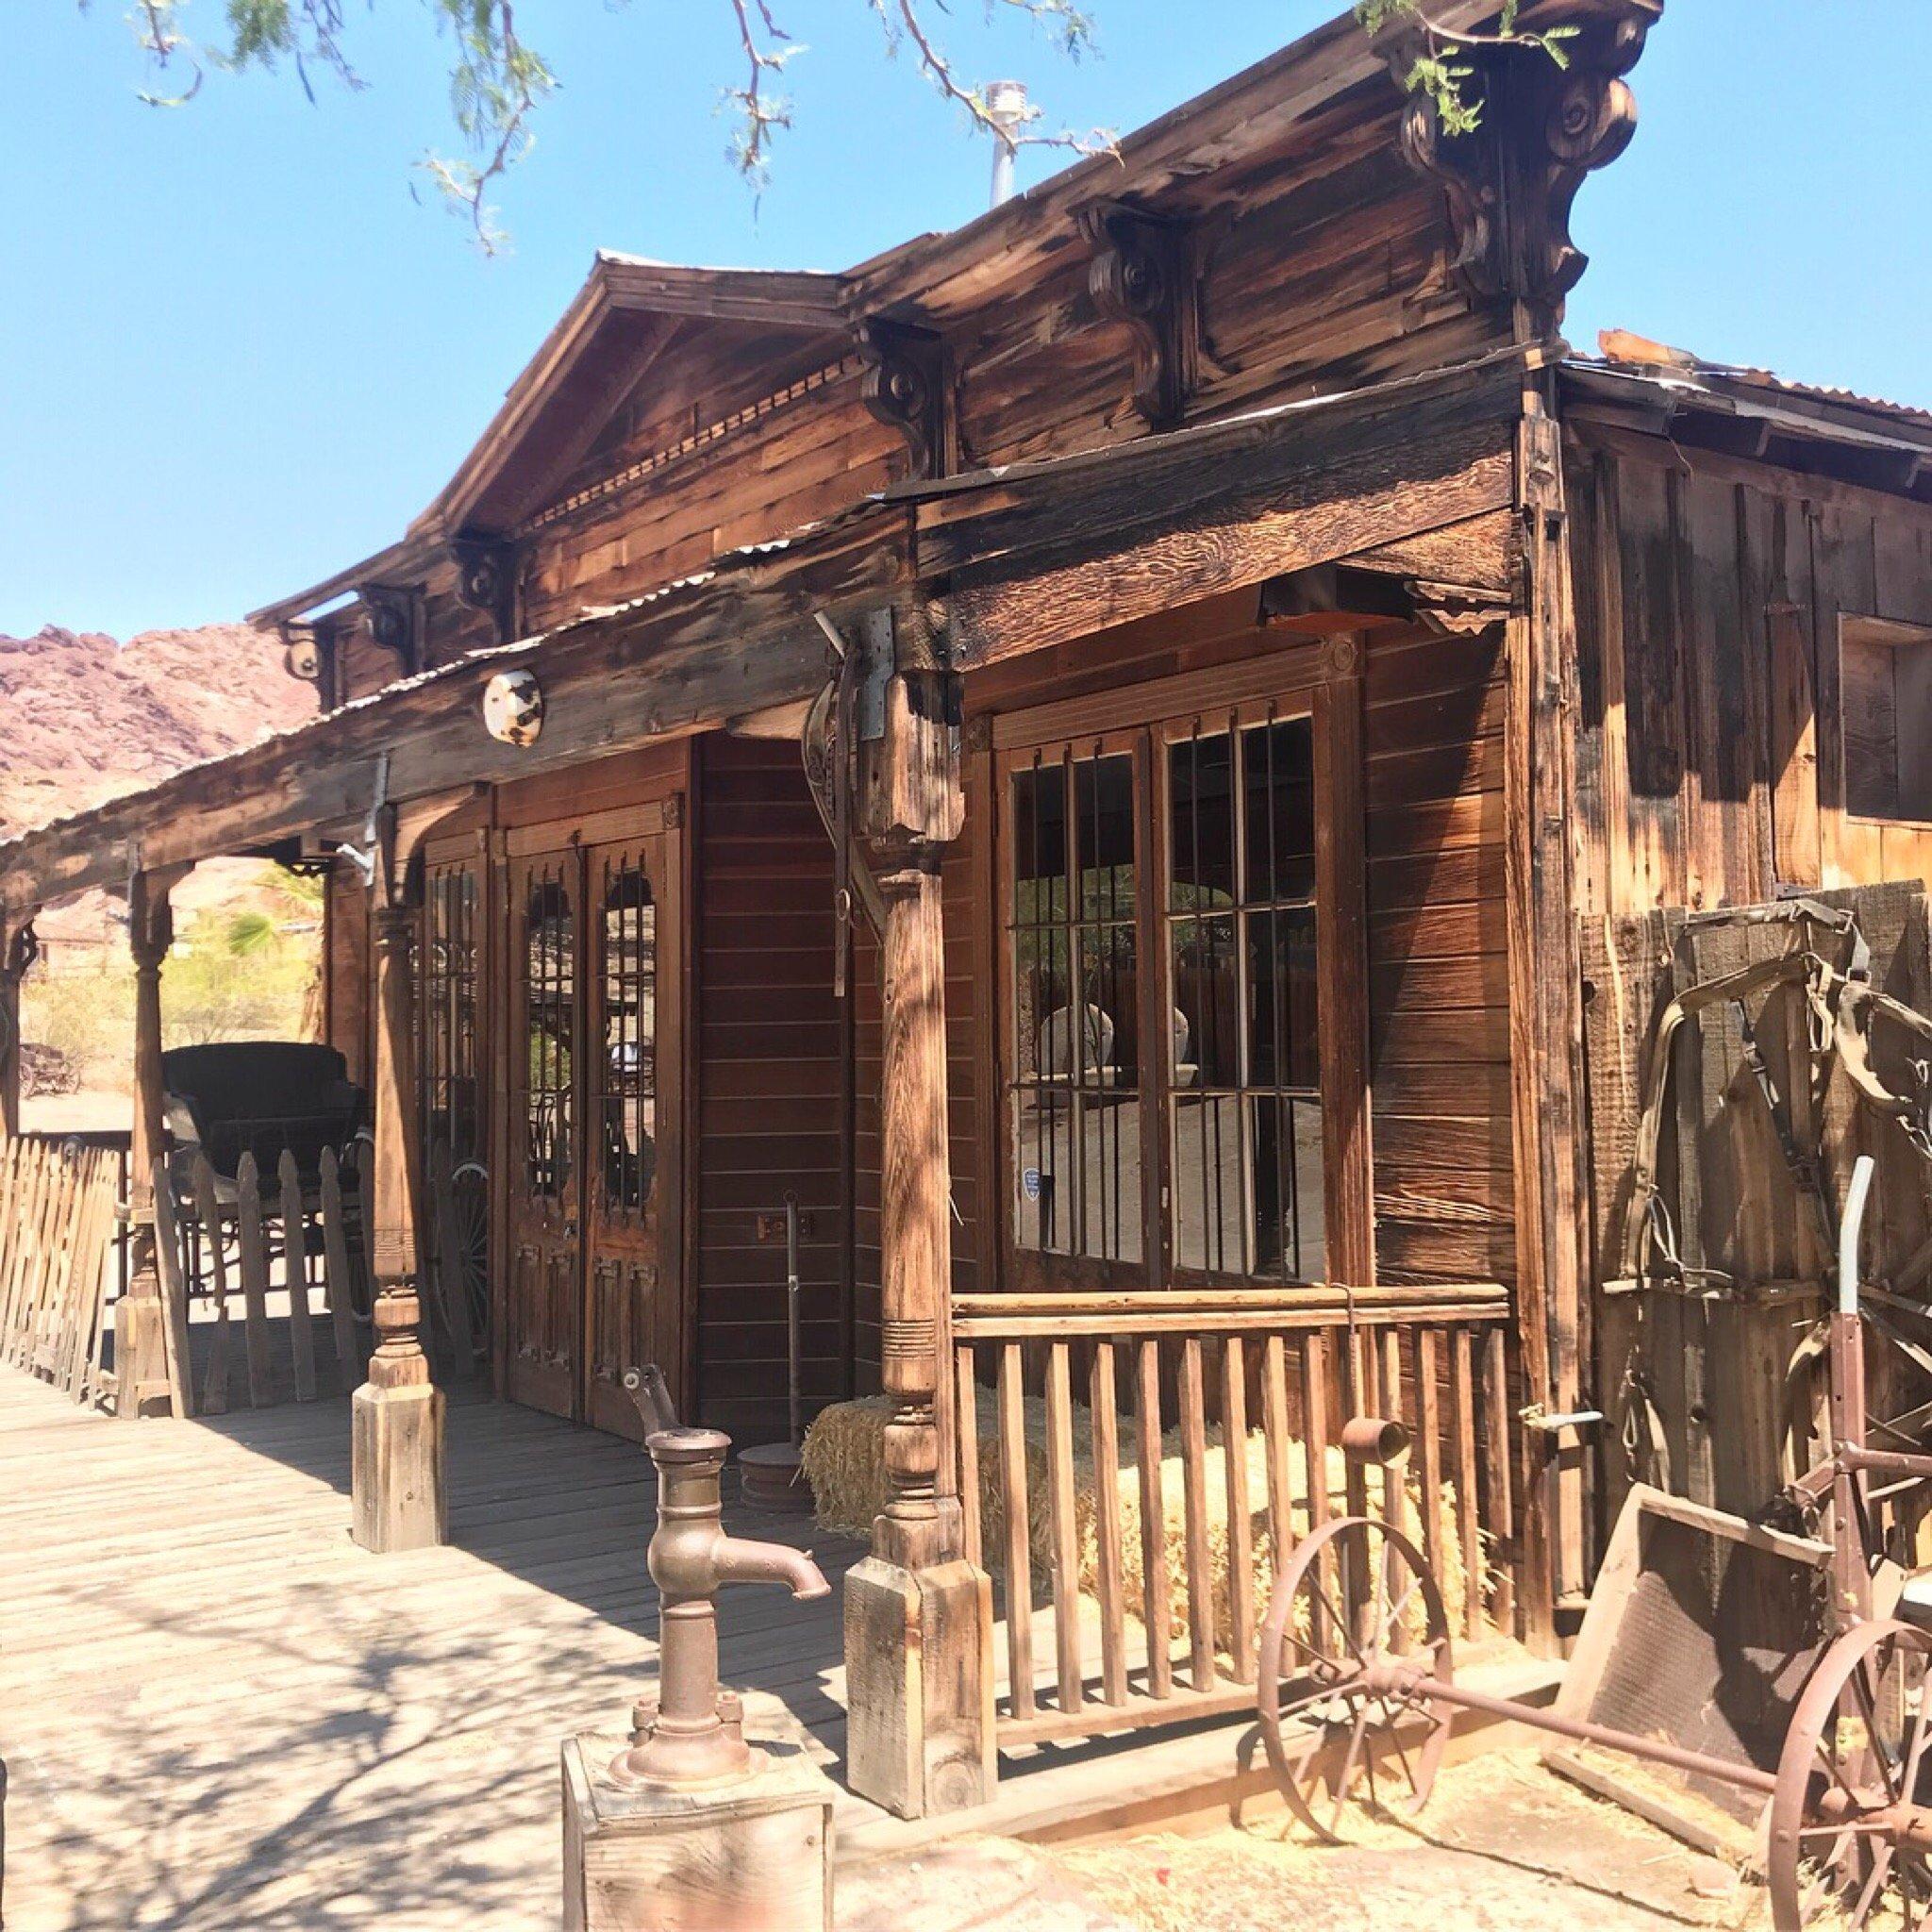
x=1084 y=751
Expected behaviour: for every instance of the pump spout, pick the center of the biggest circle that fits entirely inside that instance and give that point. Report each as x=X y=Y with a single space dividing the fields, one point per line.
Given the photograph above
x=739 y=1560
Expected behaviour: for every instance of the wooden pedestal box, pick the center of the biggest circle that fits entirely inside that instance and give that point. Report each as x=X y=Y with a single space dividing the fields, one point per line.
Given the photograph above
x=751 y=1856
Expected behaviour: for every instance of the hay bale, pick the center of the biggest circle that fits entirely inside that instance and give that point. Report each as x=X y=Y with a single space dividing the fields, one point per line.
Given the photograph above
x=844 y=1459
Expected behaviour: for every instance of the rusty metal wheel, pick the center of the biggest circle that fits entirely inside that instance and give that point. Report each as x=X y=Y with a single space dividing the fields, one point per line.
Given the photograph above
x=1354 y=1634
x=1846 y=1842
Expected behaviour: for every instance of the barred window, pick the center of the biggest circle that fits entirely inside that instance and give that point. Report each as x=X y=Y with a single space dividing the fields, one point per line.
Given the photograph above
x=1074 y=1090
x=626 y=1070
x=1215 y=1136
x=1245 y=1118
x=452 y=1088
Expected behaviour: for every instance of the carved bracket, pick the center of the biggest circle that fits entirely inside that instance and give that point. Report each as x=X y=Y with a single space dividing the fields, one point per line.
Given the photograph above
x=487 y=570
x=1143 y=276
x=1511 y=182
x=1456 y=609
x=395 y=623
x=908 y=387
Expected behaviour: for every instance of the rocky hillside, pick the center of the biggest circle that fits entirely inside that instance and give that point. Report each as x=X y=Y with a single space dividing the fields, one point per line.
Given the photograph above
x=85 y=717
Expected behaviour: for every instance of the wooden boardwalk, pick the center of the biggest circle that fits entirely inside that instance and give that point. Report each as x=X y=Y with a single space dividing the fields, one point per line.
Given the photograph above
x=216 y=1711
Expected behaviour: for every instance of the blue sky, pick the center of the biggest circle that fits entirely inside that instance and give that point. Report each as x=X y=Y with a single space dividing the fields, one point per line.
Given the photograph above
x=240 y=351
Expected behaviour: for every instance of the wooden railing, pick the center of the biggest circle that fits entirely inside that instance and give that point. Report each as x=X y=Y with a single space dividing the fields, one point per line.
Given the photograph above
x=58 y=1241
x=1218 y=1418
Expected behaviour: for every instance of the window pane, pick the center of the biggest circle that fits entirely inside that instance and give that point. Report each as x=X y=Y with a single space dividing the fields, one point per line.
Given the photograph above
x=1282 y=1044
x=1110 y=1149
x=1208 y=1184
x=1207 y=999
x=1046 y=1033
x=550 y=1014
x=1040 y=843
x=1288 y=1189
x=1103 y=835
x=629 y=1072
x=1111 y=983
x=1045 y=1176
x=1201 y=787
x=1278 y=784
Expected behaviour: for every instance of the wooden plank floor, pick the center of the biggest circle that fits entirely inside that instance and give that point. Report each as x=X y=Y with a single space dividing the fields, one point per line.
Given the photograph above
x=216 y=1711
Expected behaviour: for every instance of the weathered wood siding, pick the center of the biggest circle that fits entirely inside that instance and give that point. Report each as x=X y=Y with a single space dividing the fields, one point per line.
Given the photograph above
x=768 y=1042
x=1712 y=726
x=1438 y=984
x=806 y=446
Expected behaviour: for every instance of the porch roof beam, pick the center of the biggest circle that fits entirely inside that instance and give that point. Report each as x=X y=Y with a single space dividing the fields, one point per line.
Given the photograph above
x=1022 y=559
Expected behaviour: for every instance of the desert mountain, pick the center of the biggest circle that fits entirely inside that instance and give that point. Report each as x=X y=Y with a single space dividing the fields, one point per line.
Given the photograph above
x=85 y=717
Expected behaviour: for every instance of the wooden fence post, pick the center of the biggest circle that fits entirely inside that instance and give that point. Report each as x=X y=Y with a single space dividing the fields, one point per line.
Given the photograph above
x=396 y=1463
x=918 y=1615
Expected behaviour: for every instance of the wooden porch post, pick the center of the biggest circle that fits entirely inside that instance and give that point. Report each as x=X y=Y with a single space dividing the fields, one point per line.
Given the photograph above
x=140 y=1329
x=19 y=949
x=396 y=1483
x=918 y=1616
x=1545 y=1028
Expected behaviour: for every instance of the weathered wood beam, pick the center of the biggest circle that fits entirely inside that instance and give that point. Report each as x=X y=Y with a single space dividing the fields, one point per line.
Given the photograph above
x=692 y=658
x=396 y=1463
x=918 y=1615
x=1325 y=511
x=1545 y=1024
x=1341 y=963
x=1031 y=557
x=140 y=1336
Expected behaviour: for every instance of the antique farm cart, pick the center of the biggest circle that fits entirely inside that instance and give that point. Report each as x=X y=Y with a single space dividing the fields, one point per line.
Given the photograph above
x=1356 y=1644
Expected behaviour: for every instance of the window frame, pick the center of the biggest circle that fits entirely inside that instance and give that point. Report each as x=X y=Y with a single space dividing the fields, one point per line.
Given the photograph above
x=1862 y=630
x=1300 y=682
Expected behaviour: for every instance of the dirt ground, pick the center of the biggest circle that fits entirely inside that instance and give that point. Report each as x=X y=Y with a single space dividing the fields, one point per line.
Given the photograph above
x=1505 y=1846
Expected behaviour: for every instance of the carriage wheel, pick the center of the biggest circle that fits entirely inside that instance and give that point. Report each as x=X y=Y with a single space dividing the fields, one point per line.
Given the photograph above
x=1853 y=1764
x=1354 y=1632
x=470 y=1203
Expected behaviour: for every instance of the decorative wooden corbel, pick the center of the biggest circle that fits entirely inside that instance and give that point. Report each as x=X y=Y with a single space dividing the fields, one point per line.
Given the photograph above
x=487 y=569
x=1511 y=181
x=1456 y=609
x=907 y=386
x=395 y=623
x=1144 y=275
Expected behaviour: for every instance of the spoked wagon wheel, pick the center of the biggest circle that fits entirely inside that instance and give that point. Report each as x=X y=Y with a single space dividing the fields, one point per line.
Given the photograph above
x=1847 y=1843
x=469 y=1187
x=1355 y=1633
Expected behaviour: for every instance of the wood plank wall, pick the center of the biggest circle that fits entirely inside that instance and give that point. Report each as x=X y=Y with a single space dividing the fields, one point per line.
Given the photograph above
x=1438 y=1018
x=768 y=1038
x=1711 y=729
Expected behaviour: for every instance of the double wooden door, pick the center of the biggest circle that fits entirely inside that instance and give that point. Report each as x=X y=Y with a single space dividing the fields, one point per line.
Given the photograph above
x=594 y=1039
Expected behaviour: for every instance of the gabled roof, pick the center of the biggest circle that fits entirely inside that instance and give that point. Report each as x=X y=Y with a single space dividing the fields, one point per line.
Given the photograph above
x=616 y=324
